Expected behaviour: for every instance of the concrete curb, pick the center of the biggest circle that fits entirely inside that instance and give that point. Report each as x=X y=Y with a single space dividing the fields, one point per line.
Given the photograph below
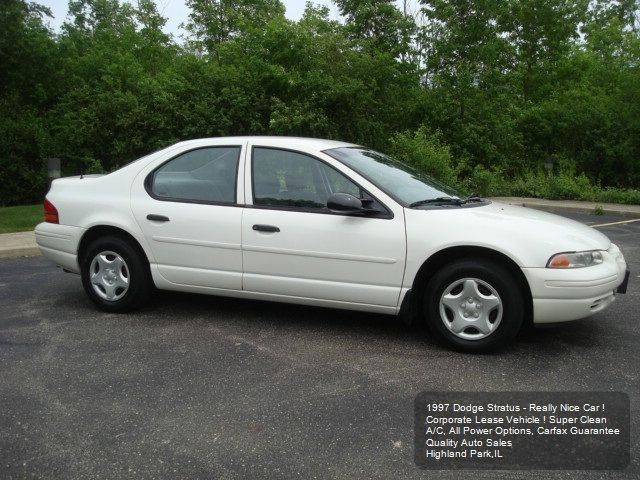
x=20 y=244
x=569 y=206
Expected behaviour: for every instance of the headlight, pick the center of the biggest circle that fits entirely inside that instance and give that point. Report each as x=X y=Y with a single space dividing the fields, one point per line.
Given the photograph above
x=575 y=259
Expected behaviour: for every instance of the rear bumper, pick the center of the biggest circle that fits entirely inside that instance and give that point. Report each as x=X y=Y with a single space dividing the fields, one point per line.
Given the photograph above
x=565 y=295
x=59 y=243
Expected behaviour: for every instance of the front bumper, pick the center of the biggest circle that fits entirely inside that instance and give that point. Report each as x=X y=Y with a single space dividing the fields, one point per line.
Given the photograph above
x=572 y=294
x=622 y=288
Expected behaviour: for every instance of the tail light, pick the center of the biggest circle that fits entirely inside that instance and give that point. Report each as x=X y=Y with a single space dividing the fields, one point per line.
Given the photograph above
x=50 y=212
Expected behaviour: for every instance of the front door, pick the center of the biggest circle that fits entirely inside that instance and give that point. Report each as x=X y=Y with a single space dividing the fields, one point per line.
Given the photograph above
x=294 y=246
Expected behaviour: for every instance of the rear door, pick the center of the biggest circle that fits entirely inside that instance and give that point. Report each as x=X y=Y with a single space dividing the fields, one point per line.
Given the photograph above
x=189 y=209
x=294 y=246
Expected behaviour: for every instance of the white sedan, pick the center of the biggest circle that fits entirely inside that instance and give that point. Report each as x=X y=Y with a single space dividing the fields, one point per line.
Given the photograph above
x=325 y=223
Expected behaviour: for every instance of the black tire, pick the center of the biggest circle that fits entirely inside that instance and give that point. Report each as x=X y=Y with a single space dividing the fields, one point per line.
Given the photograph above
x=495 y=275
x=137 y=269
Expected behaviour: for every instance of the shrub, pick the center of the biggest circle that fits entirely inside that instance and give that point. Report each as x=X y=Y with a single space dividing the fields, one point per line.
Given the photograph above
x=426 y=152
x=485 y=182
x=563 y=186
x=617 y=195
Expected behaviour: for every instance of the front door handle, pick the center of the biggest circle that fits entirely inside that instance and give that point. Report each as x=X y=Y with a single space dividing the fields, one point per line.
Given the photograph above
x=157 y=218
x=266 y=228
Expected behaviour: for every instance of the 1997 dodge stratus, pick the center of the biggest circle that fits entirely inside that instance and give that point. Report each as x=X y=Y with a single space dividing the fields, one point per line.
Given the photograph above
x=325 y=223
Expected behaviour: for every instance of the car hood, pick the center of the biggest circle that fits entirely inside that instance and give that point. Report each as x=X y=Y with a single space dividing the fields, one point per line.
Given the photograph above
x=530 y=237
x=548 y=227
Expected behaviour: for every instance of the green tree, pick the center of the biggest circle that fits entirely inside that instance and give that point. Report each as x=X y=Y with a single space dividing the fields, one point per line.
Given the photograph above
x=378 y=25
x=28 y=86
x=214 y=22
x=470 y=97
x=505 y=85
x=542 y=33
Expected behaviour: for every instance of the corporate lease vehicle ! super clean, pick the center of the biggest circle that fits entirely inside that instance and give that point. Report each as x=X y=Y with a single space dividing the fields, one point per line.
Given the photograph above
x=325 y=223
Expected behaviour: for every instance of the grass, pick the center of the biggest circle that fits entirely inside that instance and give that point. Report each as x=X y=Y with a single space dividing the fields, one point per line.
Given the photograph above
x=20 y=219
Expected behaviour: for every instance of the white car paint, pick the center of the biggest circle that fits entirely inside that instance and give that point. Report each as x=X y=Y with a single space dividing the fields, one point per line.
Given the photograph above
x=529 y=237
x=358 y=263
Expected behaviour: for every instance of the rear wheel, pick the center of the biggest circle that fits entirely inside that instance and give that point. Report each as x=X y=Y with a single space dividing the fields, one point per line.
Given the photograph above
x=474 y=305
x=114 y=275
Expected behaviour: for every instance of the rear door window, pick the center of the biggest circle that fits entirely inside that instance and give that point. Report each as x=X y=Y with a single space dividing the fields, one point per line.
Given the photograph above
x=205 y=175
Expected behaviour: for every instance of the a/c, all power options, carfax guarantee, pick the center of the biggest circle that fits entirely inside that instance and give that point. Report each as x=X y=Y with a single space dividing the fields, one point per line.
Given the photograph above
x=325 y=223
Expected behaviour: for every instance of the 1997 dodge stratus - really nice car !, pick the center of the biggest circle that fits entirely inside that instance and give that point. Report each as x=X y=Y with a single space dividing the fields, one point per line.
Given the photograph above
x=325 y=223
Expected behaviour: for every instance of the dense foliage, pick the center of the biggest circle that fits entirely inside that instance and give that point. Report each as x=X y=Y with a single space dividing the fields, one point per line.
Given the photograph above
x=480 y=93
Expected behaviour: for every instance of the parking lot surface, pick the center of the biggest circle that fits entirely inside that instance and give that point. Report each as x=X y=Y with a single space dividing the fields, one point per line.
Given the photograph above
x=207 y=387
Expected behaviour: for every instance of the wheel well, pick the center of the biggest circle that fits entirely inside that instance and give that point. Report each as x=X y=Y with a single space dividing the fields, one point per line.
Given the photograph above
x=439 y=259
x=103 y=230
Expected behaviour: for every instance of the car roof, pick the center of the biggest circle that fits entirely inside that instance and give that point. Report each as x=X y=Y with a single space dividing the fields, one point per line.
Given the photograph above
x=271 y=141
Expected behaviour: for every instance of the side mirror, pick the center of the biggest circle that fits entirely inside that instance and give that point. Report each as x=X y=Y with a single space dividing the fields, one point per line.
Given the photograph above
x=347 y=204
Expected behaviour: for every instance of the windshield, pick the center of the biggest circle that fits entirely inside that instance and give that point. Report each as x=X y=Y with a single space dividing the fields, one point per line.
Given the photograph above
x=398 y=180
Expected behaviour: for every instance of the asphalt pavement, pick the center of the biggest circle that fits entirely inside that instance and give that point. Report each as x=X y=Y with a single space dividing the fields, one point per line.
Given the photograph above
x=205 y=387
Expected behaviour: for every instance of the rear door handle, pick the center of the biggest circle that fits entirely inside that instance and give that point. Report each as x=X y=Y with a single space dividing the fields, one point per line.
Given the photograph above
x=157 y=218
x=266 y=228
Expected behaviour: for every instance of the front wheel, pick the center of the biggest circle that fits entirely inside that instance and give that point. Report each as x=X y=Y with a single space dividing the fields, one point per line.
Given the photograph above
x=114 y=275
x=474 y=305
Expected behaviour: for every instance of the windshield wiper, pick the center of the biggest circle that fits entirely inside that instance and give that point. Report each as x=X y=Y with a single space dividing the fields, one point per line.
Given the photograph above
x=447 y=201
x=437 y=200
